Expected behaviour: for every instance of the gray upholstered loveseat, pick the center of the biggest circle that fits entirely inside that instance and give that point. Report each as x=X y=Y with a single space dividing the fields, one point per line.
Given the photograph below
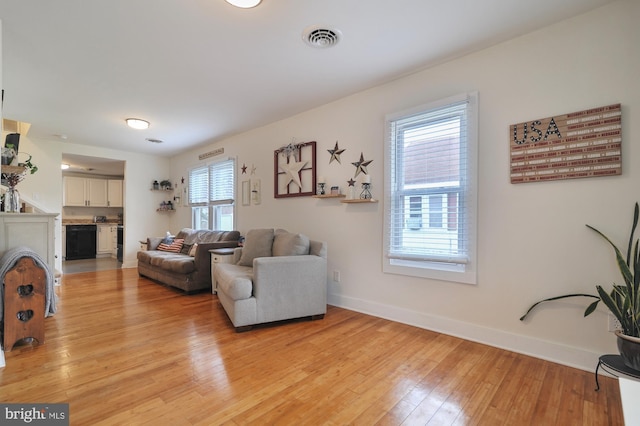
x=189 y=269
x=275 y=276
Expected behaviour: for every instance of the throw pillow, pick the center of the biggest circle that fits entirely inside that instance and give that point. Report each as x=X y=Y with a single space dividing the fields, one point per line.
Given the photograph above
x=257 y=243
x=174 y=247
x=289 y=244
x=193 y=249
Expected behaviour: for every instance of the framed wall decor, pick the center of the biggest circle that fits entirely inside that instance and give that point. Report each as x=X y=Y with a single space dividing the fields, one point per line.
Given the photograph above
x=246 y=192
x=569 y=146
x=256 y=192
x=294 y=170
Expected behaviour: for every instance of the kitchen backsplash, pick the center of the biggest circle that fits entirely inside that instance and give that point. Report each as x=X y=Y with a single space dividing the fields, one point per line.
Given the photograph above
x=86 y=214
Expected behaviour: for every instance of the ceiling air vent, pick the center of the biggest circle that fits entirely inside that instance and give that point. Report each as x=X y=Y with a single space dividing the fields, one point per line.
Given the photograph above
x=321 y=37
x=154 y=140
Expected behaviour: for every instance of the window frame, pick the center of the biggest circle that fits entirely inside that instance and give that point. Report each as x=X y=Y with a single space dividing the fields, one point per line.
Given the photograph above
x=462 y=271
x=213 y=208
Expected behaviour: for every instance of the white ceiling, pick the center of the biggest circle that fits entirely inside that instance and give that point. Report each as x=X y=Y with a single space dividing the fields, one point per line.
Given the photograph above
x=201 y=70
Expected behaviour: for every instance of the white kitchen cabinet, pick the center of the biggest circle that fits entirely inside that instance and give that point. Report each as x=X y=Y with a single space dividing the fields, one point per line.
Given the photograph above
x=73 y=191
x=104 y=240
x=85 y=192
x=97 y=194
x=114 y=192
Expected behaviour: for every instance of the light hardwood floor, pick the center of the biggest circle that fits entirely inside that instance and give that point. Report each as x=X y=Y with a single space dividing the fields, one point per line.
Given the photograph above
x=125 y=350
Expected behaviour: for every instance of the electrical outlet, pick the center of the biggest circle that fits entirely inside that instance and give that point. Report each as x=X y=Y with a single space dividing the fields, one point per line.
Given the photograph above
x=336 y=276
x=614 y=324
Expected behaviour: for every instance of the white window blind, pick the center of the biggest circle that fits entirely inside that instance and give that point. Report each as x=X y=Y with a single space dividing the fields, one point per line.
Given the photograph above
x=212 y=184
x=429 y=220
x=199 y=186
x=221 y=187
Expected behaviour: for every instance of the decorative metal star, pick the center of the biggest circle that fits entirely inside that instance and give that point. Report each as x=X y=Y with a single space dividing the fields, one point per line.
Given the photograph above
x=253 y=169
x=351 y=182
x=361 y=166
x=293 y=171
x=335 y=153
x=244 y=169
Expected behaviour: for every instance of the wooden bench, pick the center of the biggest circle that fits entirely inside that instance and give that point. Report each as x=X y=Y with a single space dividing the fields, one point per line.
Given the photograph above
x=24 y=303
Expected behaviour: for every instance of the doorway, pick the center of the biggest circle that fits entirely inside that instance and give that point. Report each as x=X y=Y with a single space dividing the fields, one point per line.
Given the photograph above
x=92 y=169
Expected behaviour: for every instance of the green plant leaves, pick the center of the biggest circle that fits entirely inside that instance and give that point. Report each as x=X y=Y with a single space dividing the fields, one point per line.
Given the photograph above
x=624 y=300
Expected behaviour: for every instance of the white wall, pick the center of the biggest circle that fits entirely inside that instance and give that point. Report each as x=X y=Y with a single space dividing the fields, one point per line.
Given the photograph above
x=532 y=239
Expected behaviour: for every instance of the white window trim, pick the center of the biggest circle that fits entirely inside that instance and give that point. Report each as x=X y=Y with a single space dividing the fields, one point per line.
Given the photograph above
x=462 y=273
x=211 y=205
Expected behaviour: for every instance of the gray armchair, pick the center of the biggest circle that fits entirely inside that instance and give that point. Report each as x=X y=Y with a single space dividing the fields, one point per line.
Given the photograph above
x=289 y=282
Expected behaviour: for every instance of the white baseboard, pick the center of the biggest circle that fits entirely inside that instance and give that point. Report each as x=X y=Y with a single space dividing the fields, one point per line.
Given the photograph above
x=549 y=351
x=129 y=264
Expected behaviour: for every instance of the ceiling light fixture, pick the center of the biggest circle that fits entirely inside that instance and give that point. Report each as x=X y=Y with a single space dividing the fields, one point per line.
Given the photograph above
x=64 y=166
x=137 y=123
x=245 y=4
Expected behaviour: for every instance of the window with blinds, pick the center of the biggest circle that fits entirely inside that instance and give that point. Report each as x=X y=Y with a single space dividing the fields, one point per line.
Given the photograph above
x=430 y=195
x=211 y=195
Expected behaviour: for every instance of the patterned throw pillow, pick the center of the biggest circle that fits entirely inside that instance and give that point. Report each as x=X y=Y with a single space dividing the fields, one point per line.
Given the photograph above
x=174 y=247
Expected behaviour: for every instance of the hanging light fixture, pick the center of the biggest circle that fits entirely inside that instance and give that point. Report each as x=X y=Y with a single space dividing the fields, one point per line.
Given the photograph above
x=245 y=4
x=137 y=123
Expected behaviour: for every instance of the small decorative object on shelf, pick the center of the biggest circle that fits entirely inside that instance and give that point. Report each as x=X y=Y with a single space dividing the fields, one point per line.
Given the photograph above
x=156 y=185
x=166 y=206
x=7 y=155
x=321 y=184
x=11 y=176
x=352 y=189
x=12 y=200
x=165 y=185
x=335 y=190
x=366 y=184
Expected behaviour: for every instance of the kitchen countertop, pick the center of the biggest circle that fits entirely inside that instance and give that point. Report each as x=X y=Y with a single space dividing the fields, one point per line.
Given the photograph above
x=89 y=222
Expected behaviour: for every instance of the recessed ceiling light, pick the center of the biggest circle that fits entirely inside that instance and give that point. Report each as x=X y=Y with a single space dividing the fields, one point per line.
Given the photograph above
x=245 y=4
x=64 y=166
x=137 y=123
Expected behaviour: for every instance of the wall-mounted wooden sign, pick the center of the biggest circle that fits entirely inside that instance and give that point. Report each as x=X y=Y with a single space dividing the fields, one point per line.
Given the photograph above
x=211 y=154
x=570 y=146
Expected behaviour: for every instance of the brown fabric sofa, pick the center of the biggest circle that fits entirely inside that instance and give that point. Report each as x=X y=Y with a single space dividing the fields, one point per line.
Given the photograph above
x=189 y=273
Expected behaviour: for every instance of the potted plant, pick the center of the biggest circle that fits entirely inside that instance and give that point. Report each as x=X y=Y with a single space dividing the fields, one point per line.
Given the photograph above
x=27 y=164
x=7 y=154
x=623 y=301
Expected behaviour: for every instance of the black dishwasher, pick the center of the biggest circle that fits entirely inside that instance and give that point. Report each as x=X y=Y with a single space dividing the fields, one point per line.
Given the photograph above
x=81 y=242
